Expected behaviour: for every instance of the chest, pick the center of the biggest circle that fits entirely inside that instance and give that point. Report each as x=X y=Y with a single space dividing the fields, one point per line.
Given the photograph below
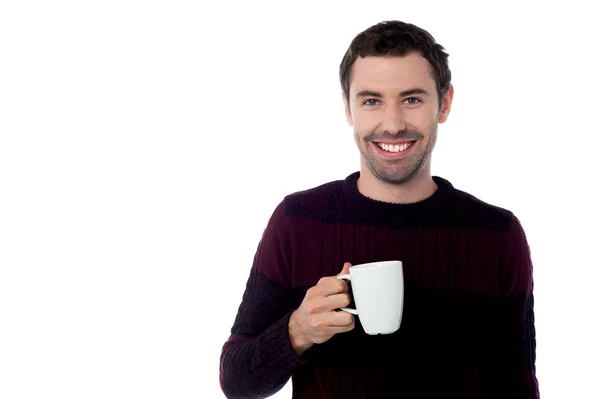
x=437 y=258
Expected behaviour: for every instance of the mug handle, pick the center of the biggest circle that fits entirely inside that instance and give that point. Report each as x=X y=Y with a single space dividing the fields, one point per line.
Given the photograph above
x=349 y=310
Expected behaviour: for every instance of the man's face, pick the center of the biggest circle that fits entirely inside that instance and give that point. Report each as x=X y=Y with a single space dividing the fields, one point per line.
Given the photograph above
x=393 y=107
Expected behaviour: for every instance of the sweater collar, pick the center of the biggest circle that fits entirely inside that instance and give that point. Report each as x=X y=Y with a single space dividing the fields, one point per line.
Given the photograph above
x=371 y=206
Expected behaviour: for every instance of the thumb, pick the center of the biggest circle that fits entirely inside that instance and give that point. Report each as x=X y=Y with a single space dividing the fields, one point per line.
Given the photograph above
x=345 y=269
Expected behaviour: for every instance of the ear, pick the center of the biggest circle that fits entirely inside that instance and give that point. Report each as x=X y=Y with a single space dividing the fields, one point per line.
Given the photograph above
x=446 y=105
x=347 y=110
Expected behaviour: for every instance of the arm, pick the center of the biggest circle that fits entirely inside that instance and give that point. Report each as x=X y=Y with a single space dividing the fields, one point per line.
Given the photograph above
x=257 y=359
x=514 y=366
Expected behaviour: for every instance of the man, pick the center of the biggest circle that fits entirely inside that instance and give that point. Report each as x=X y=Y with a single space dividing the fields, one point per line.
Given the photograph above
x=468 y=327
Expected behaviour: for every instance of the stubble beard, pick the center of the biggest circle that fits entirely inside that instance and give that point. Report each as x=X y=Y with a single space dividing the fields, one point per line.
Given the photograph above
x=401 y=171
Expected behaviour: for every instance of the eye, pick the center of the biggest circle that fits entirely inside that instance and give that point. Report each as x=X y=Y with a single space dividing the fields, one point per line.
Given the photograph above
x=413 y=101
x=371 y=102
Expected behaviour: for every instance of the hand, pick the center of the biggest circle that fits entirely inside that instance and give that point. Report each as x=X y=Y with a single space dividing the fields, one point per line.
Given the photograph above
x=316 y=320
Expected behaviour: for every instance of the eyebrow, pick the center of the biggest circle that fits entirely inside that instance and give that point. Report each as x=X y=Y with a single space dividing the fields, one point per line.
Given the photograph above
x=405 y=93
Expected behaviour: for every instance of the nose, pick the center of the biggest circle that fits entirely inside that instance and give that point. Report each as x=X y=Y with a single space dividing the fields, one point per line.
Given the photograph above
x=394 y=119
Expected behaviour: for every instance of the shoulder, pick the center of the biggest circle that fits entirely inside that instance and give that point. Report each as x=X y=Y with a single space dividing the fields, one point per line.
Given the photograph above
x=478 y=213
x=314 y=202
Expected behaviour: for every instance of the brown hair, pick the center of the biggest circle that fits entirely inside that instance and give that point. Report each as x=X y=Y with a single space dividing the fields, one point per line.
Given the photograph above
x=396 y=38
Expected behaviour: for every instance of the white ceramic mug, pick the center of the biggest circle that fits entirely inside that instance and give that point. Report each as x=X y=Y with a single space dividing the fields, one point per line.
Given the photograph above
x=378 y=291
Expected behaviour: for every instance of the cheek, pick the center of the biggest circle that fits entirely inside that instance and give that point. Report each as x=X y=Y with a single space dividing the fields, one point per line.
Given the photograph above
x=356 y=138
x=364 y=125
x=426 y=122
x=425 y=119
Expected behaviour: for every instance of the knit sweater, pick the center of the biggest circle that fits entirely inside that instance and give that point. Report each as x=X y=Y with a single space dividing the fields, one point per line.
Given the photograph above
x=467 y=328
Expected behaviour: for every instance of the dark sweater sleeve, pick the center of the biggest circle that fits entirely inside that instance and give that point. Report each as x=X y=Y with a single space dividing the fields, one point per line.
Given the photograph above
x=514 y=365
x=257 y=360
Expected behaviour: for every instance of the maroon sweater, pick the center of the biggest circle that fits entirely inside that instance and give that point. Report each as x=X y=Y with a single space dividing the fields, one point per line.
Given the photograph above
x=467 y=327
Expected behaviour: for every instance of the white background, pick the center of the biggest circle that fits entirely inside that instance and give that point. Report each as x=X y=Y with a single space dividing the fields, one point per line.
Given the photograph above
x=143 y=146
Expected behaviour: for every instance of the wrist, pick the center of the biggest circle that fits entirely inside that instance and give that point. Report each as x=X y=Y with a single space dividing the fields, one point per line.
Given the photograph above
x=299 y=343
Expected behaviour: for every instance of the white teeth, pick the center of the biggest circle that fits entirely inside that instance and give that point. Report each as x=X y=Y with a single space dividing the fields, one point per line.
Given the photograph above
x=394 y=148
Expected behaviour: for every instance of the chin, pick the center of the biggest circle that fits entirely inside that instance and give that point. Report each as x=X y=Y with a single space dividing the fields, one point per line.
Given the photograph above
x=399 y=176
x=396 y=180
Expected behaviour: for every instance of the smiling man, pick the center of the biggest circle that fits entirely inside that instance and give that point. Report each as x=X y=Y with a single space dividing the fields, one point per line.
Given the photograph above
x=395 y=106
x=468 y=324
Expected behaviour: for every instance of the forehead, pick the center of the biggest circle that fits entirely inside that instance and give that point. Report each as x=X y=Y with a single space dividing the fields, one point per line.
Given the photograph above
x=395 y=73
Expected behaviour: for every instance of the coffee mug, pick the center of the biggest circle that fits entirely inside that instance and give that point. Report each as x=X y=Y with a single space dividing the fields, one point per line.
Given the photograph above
x=378 y=291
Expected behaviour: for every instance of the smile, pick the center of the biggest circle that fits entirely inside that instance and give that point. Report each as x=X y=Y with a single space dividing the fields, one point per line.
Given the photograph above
x=395 y=147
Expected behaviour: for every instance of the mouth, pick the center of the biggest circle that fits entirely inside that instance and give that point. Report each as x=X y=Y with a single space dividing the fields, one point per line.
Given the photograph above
x=394 y=150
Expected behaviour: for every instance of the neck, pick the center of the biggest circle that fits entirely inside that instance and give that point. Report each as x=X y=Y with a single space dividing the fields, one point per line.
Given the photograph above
x=420 y=187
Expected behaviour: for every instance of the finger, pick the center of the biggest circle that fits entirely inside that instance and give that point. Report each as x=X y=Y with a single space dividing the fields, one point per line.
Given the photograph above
x=337 y=301
x=341 y=319
x=332 y=285
x=345 y=269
